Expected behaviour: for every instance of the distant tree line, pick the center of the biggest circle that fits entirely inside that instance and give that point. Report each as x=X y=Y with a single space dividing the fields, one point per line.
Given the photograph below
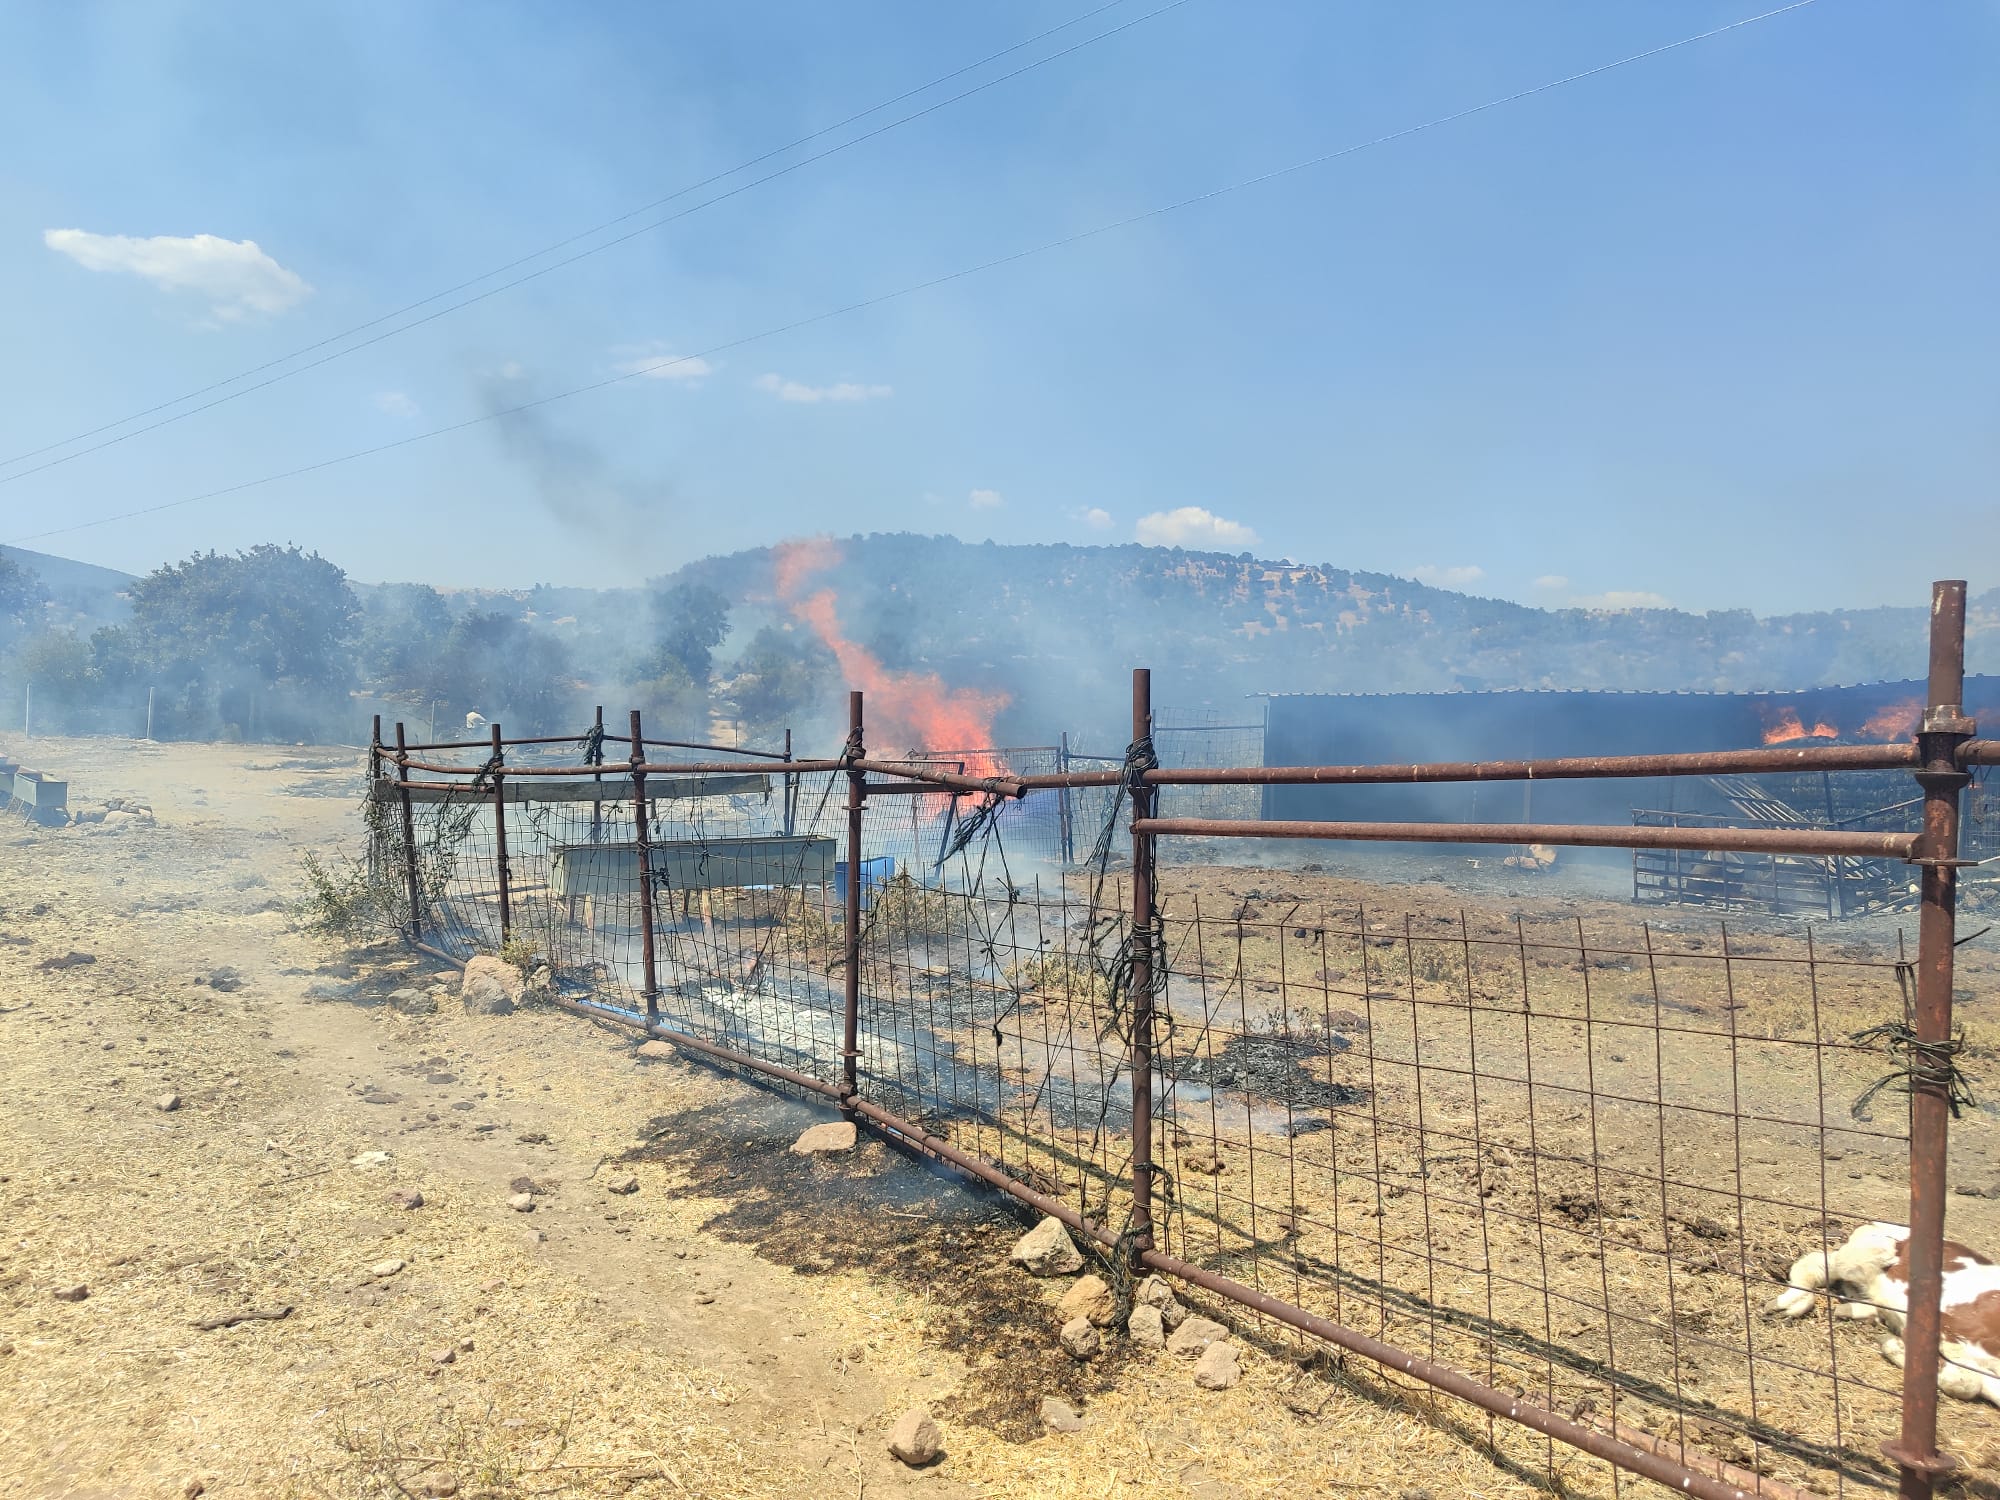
x=275 y=643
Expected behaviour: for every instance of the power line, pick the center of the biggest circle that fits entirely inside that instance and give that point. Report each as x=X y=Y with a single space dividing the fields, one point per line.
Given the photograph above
x=584 y=235
x=878 y=300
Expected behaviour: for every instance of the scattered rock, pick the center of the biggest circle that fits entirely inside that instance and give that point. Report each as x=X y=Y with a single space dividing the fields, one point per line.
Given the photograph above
x=1207 y=1163
x=1046 y=1250
x=247 y=1315
x=404 y=1198
x=438 y=1487
x=1089 y=1297
x=1217 y=1370
x=522 y=1203
x=69 y=960
x=166 y=1104
x=327 y=989
x=1414 y=1492
x=490 y=987
x=1146 y=1327
x=193 y=1488
x=385 y=1268
x=525 y=1184
x=534 y=1238
x=624 y=1183
x=916 y=1439
x=370 y=1159
x=412 y=1002
x=380 y=1096
x=71 y=1293
x=445 y=1356
x=1080 y=1339
x=1195 y=1335
x=657 y=1051
x=1060 y=1416
x=834 y=1135
x=1155 y=1291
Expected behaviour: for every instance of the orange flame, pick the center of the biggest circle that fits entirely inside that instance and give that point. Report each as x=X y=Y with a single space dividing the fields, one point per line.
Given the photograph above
x=911 y=710
x=1893 y=721
x=1784 y=725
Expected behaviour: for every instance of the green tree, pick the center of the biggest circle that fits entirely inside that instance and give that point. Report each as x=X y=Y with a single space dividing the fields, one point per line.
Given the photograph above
x=21 y=598
x=258 y=640
x=403 y=633
x=513 y=673
x=782 y=678
x=689 y=621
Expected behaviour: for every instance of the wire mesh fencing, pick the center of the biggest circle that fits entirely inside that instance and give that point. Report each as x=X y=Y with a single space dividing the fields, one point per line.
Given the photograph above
x=1577 y=1171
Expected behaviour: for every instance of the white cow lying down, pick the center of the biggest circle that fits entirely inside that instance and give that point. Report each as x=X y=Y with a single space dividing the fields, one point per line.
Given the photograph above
x=1870 y=1275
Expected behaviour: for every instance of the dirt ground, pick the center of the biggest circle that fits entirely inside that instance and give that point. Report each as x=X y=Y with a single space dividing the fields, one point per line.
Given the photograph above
x=747 y=1323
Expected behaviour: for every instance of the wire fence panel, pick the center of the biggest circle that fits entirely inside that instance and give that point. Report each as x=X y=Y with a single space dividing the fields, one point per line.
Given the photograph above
x=1591 y=1169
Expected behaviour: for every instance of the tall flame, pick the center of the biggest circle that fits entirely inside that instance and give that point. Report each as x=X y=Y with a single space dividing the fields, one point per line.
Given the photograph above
x=1783 y=725
x=906 y=710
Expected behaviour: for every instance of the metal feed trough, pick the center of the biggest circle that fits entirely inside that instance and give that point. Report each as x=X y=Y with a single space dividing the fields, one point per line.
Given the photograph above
x=41 y=798
x=580 y=873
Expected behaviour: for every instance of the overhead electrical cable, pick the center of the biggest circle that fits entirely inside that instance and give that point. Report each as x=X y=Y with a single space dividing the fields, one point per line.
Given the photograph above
x=585 y=234
x=912 y=289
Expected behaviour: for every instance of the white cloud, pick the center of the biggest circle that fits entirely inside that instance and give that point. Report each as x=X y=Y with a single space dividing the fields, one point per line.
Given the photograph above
x=846 y=390
x=658 y=362
x=1096 y=518
x=1554 y=583
x=397 y=404
x=234 y=277
x=1454 y=577
x=986 y=500
x=1621 y=599
x=1191 y=526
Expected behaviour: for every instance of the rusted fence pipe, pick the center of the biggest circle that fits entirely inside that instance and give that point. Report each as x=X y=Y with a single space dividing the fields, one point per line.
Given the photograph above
x=1943 y=730
x=500 y=838
x=1005 y=786
x=850 y=936
x=1141 y=970
x=1802 y=841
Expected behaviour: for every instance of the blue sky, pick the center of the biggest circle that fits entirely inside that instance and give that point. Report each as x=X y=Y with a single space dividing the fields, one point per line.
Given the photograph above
x=1715 y=328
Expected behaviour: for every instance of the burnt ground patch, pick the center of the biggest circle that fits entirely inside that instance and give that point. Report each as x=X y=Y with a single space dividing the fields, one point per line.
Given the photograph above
x=891 y=1214
x=1280 y=1069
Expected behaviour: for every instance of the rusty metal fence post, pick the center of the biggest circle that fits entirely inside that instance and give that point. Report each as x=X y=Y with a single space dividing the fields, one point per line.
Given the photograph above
x=1144 y=919
x=851 y=915
x=643 y=833
x=409 y=837
x=1943 y=729
x=1064 y=819
x=500 y=837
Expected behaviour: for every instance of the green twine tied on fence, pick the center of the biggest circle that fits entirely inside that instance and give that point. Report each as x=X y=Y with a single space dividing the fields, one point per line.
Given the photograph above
x=593 y=745
x=1922 y=1062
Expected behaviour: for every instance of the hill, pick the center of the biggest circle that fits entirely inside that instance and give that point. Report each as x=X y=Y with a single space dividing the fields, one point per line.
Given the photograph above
x=1057 y=626
x=88 y=594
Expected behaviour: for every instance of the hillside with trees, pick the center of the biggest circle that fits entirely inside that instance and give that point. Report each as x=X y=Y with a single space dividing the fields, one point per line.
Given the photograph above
x=277 y=643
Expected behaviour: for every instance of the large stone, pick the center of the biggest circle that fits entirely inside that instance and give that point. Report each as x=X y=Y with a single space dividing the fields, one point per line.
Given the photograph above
x=916 y=1439
x=1060 y=1416
x=1155 y=1291
x=1217 y=1370
x=1080 y=1339
x=1145 y=1327
x=834 y=1135
x=411 y=1001
x=490 y=987
x=657 y=1051
x=1089 y=1297
x=1195 y=1335
x=1046 y=1250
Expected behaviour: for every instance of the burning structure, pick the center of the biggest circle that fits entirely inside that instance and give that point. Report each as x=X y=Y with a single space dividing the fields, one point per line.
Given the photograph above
x=1393 y=728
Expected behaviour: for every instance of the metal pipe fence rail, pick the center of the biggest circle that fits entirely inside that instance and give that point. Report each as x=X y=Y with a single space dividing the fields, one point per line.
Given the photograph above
x=1550 y=1168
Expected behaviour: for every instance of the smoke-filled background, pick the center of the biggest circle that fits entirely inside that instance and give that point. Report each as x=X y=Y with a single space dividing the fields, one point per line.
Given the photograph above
x=960 y=646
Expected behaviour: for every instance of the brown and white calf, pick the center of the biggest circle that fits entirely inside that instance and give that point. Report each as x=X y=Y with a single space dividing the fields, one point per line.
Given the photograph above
x=1870 y=1277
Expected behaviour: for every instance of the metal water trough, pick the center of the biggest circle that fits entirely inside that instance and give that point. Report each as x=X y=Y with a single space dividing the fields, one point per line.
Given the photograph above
x=610 y=872
x=40 y=797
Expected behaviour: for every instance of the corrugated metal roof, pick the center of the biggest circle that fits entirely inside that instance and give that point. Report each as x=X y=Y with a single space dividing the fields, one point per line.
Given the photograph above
x=1915 y=686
